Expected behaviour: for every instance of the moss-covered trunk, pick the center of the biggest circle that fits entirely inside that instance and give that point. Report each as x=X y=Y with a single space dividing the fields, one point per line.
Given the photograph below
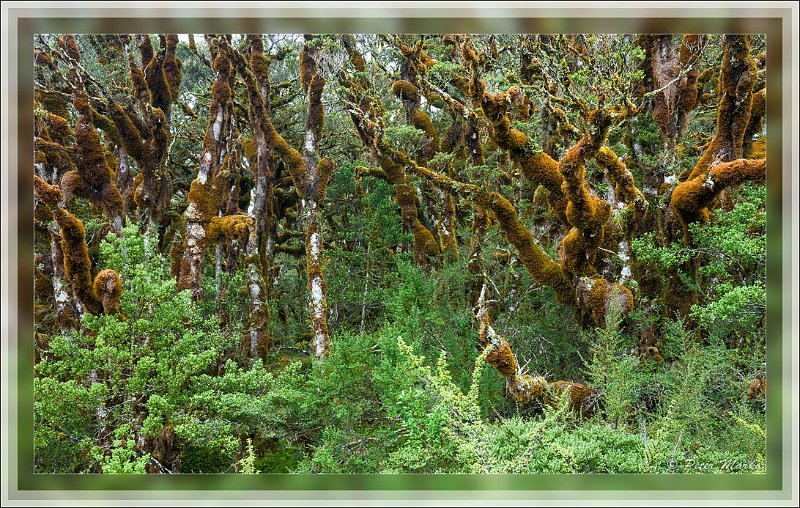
x=312 y=184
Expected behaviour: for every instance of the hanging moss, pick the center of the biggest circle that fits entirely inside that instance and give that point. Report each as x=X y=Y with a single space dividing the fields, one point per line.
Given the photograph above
x=691 y=44
x=596 y=297
x=422 y=121
x=173 y=67
x=145 y=49
x=81 y=102
x=157 y=84
x=53 y=101
x=324 y=169
x=43 y=59
x=108 y=127
x=232 y=227
x=405 y=91
x=736 y=80
x=258 y=61
x=57 y=126
x=349 y=43
x=93 y=169
x=77 y=265
x=472 y=136
x=108 y=289
x=308 y=65
x=48 y=194
x=454 y=136
x=316 y=112
x=141 y=92
x=130 y=136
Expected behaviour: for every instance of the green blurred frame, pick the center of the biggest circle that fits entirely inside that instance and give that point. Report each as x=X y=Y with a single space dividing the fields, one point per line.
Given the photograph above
x=775 y=484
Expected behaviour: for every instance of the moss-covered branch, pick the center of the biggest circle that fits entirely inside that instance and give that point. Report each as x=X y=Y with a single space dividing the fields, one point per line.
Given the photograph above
x=736 y=80
x=522 y=386
x=99 y=296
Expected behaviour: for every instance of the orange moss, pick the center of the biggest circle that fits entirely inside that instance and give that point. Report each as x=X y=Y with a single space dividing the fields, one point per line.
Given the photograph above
x=584 y=211
x=692 y=197
x=46 y=193
x=250 y=149
x=81 y=102
x=141 y=92
x=524 y=388
x=93 y=169
x=454 y=136
x=755 y=125
x=108 y=288
x=736 y=81
x=77 y=264
x=130 y=135
x=43 y=58
x=758 y=149
x=324 y=169
x=576 y=253
x=57 y=126
x=581 y=398
x=502 y=359
x=469 y=54
x=307 y=65
x=539 y=264
x=42 y=283
x=596 y=297
x=405 y=91
x=542 y=169
x=316 y=112
x=157 y=84
x=355 y=57
x=425 y=245
x=207 y=199
x=108 y=127
x=73 y=185
x=258 y=61
x=53 y=101
x=622 y=179
x=232 y=227
x=757 y=389
x=422 y=121
x=172 y=67
x=146 y=49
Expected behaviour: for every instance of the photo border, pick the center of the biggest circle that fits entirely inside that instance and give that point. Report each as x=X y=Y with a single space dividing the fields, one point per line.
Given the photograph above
x=779 y=23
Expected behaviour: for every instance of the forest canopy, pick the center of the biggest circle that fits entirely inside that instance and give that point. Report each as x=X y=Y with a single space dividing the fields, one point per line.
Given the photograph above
x=400 y=253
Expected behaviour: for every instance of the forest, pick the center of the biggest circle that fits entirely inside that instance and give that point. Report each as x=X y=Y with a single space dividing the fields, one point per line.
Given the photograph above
x=399 y=253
